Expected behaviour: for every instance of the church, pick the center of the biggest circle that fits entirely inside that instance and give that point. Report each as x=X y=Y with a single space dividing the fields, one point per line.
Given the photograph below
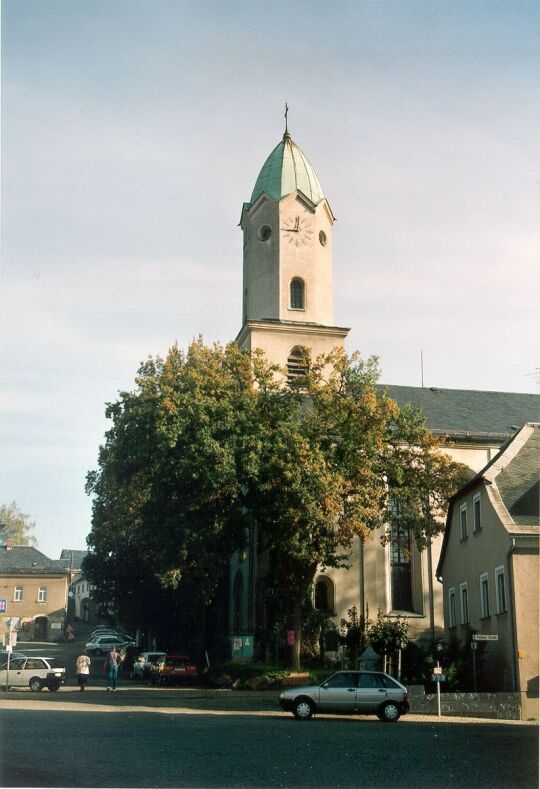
x=287 y=305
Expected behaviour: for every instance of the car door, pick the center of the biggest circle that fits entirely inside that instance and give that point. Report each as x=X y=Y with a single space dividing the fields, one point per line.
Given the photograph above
x=34 y=667
x=15 y=677
x=338 y=693
x=371 y=692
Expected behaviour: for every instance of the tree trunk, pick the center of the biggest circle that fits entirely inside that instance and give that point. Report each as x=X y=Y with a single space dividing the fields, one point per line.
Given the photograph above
x=294 y=628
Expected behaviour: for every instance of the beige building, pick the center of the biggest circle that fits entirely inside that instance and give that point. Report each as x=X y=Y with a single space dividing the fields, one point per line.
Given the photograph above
x=489 y=567
x=287 y=304
x=33 y=593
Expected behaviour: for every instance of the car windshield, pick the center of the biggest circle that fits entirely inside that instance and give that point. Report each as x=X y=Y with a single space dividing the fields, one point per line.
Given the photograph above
x=177 y=661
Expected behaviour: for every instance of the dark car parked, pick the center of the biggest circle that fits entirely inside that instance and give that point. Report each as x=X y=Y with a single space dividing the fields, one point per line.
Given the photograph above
x=173 y=669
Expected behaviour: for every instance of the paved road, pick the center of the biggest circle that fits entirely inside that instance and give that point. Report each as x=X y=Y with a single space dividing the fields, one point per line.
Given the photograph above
x=189 y=738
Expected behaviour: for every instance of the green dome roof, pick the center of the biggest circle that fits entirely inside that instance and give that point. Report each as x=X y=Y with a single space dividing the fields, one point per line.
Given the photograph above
x=287 y=170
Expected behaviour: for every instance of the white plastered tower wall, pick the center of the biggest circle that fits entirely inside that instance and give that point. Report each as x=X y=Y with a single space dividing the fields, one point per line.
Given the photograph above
x=288 y=236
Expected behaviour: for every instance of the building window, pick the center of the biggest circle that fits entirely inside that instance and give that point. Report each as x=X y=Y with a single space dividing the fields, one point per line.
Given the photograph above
x=464 y=597
x=463 y=522
x=297 y=365
x=477 y=524
x=500 y=590
x=400 y=564
x=42 y=594
x=451 y=607
x=324 y=595
x=297 y=294
x=484 y=596
x=18 y=594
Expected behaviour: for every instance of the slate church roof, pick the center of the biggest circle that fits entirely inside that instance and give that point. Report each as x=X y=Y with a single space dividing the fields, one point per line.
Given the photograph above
x=468 y=414
x=66 y=558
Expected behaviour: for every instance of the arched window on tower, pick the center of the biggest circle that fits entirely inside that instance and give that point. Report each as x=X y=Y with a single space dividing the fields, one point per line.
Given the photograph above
x=324 y=594
x=297 y=294
x=297 y=364
x=238 y=602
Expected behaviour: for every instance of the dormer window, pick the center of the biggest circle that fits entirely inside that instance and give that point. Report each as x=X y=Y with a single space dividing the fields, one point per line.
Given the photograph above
x=297 y=294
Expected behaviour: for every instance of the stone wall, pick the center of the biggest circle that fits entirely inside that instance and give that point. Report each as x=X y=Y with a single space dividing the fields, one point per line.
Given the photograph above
x=502 y=706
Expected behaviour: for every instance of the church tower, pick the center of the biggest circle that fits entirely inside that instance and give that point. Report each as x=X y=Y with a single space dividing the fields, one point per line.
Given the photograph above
x=287 y=282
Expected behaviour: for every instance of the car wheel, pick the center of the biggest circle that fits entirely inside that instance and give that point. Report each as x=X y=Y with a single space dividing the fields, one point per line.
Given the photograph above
x=35 y=684
x=389 y=712
x=303 y=709
x=53 y=688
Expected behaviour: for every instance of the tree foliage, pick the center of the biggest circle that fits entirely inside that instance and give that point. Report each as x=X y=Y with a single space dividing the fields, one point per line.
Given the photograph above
x=388 y=635
x=210 y=448
x=16 y=525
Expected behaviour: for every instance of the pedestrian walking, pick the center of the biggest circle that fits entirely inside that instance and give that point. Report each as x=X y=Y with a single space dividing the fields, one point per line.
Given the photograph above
x=83 y=670
x=111 y=666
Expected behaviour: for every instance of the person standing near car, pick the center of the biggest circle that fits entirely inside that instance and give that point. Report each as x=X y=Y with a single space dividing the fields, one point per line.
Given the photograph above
x=111 y=667
x=83 y=670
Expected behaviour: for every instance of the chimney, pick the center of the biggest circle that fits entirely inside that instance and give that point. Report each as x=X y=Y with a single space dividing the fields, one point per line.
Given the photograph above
x=9 y=544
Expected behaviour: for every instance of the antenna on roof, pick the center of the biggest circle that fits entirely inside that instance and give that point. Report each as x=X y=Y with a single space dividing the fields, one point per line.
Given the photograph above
x=422 y=367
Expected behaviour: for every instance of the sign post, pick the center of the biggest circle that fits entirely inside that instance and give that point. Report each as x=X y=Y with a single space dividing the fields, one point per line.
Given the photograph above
x=438 y=677
x=12 y=638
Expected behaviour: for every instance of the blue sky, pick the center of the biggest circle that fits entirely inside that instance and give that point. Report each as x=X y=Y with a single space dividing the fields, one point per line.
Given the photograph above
x=134 y=131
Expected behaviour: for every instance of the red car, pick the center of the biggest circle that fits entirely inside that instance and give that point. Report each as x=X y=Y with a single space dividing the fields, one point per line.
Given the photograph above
x=173 y=669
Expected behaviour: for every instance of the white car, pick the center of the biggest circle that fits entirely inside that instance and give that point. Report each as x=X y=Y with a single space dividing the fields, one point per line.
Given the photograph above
x=35 y=673
x=143 y=662
x=103 y=644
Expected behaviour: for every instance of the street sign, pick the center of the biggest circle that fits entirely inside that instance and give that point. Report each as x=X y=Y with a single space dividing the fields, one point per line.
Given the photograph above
x=484 y=637
x=438 y=677
x=3 y=605
x=437 y=669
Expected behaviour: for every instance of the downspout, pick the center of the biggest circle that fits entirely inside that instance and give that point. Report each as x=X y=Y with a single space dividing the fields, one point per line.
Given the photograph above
x=430 y=593
x=362 y=582
x=512 y=614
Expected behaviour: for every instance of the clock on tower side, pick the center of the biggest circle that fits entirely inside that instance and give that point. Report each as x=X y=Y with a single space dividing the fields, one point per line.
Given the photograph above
x=305 y=260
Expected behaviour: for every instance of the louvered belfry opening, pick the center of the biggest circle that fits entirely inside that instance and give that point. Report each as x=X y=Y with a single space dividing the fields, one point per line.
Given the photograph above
x=296 y=364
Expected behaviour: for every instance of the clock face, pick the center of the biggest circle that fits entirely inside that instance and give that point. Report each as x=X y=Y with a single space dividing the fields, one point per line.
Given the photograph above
x=297 y=230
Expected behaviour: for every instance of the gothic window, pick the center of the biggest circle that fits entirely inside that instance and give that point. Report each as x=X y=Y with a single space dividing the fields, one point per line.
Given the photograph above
x=238 y=602
x=296 y=364
x=324 y=595
x=297 y=294
x=400 y=565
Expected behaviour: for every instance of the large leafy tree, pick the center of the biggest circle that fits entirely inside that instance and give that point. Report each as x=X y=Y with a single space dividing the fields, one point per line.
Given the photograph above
x=210 y=448
x=16 y=525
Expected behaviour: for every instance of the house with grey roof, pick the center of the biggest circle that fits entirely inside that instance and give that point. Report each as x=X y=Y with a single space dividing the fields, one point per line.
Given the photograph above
x=33 y=592
x=489 y=567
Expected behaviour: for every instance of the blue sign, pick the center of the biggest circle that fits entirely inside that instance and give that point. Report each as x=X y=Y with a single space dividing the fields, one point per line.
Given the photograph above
x=3 y=605
x=438 y=677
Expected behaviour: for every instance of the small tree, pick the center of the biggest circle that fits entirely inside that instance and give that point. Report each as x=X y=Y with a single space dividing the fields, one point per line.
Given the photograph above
x=16 y=525
x=388 y=636
x=353 y=634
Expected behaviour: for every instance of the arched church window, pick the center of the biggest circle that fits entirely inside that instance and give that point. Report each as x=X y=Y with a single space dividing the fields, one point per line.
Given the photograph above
x=238 y=602
x=297 y=294
x=400 y=567
x=296 y=364
x=324 y=594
